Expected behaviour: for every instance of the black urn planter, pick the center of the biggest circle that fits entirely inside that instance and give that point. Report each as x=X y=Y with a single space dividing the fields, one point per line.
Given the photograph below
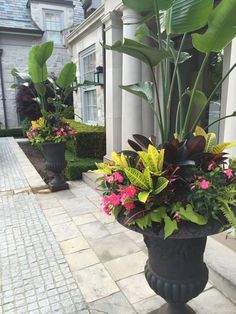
x=175 y=268
x=54 y=154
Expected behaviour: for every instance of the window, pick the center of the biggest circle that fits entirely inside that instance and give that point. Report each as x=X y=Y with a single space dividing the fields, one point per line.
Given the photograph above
x=54 y=25
x=89 y=95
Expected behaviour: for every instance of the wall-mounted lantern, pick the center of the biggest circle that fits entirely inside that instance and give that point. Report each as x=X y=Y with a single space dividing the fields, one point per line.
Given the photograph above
x=98 y=75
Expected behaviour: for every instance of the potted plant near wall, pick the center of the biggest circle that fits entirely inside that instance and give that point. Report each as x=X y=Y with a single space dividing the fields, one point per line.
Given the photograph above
x=178 y=190
x=51 y=130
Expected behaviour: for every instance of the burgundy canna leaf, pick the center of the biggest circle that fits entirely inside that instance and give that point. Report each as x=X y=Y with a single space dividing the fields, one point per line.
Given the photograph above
x=135 y=146
x=142 y=140
x=196 y=145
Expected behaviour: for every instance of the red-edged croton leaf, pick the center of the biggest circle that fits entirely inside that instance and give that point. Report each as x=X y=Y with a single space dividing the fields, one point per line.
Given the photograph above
x=135 y=146
x=196 y=145
x=142 y=140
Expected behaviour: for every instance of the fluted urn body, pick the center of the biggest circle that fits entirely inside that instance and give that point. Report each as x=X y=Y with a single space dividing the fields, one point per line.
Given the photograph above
x=175 y=268
x=54 y=154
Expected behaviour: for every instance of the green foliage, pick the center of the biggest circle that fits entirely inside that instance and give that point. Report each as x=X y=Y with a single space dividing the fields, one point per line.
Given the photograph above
x=17 y=132
x=26 y=125
x=90 y=141
x=172 y=18
x=221 y=28
x=67 y=75
x=149 y=55
x=76 y=166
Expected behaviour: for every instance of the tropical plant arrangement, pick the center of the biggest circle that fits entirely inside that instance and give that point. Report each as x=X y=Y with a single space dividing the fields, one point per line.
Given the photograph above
x=50 y=94
x=184 y=177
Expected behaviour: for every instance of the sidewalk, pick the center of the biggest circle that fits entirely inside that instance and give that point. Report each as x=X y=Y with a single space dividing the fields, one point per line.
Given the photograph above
x=60 y=254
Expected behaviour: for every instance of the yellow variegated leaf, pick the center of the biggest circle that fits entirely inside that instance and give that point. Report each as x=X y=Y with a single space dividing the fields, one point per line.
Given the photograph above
x=144 y=158
x=124 y=161
x=161 y=185
x=102 y=168
x=221 y=147
x=116 y=158
x=153 y=157
x=148 y=178
x=143 y=196
x=136 y=178
x=210 y=142
x=161 y=159
x=200 y=131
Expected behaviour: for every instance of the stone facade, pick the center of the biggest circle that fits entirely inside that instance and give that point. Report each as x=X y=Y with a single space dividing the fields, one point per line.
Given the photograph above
x=17 y=35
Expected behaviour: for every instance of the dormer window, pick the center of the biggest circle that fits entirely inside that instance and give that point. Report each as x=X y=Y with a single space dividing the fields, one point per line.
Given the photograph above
x=53 y=21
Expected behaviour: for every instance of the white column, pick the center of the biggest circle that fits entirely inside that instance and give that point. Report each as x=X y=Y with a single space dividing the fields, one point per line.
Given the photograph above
x=113 y=29
x=132 y=72
x=228 y=102
x=147 y=113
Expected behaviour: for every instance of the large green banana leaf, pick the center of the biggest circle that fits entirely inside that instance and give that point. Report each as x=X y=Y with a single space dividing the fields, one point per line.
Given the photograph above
x=67 y=75
x=189 y=15
x=37 y=72
x=149 y=55
x=221 y=28
x=144 y=90
x=147 y=5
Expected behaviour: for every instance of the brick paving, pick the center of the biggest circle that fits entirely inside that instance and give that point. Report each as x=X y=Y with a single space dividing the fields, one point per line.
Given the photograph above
x=11 y=175
x=35 y=277
x=59 y=251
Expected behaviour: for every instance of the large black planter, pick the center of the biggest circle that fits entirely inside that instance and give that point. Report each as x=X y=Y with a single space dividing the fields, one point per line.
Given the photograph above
x=175 y=269
x=54 y=154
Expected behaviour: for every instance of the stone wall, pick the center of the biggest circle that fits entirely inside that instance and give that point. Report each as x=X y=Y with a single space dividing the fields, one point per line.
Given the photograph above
x=15 y=55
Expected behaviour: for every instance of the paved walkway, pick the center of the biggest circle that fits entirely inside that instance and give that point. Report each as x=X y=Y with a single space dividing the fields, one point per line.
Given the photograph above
x=58 y=250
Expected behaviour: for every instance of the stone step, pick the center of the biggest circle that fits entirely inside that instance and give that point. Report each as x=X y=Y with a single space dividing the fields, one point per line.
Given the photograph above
x=221 y=262
x=220 y=259
x=90 y=179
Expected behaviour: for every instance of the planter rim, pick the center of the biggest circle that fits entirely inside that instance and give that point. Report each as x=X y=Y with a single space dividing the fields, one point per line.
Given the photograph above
x=186 y=229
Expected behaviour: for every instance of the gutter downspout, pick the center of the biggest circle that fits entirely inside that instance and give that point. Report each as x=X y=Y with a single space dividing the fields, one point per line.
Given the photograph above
x=3 y=91
x=104 y=70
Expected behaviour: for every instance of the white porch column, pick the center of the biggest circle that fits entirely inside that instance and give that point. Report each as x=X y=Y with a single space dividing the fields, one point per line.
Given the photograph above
x=228 y=126
x=147 y=113
x=132 y=72
x=113 y=29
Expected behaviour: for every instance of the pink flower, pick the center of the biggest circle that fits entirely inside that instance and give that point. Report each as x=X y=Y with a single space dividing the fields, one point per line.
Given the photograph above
x=107 y=208
x=128 y=206
x=130 y=191
x=211 y=166
x=229 y=173
x=204 y=184
x=114 y=199
x=58 y=133
x=118 y=177
x=109 y=179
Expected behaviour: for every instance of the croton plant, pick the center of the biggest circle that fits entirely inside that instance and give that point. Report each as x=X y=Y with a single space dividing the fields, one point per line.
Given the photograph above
x=189 y=180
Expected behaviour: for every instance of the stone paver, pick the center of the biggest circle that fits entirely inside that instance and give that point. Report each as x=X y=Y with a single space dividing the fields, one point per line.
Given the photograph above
x=12 y=176
x=35 y=275
x=59 y=249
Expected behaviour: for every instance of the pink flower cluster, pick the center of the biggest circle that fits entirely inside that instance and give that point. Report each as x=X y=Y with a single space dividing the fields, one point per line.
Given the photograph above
x=229 y=173
x=64 y=131
x=125 y=198
x=115 y=177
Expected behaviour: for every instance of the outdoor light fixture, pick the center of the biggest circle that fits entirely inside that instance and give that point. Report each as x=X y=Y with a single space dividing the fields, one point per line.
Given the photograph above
x=98 y=75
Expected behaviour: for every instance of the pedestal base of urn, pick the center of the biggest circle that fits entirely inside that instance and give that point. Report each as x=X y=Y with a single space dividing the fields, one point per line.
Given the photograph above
x=58 y=184
x=174 y=309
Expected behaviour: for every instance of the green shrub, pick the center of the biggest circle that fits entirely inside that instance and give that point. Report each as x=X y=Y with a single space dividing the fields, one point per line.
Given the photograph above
x=76 y=166
x=68 y=112
x=26 y=124
x=90 y=140
x=17 y=132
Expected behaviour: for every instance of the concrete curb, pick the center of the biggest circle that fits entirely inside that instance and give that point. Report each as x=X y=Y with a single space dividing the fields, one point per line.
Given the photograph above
x=35 y=182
